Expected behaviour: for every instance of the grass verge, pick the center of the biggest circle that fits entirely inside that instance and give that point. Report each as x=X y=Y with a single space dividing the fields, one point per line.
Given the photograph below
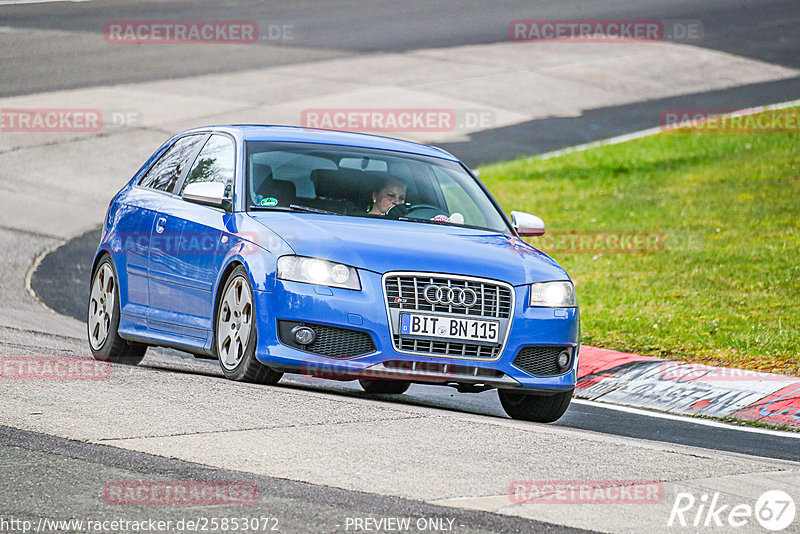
x=722 y=288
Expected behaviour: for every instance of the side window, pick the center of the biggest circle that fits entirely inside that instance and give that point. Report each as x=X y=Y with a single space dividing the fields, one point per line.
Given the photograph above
x=458 y=200
x=214 y=163
x=166 y=171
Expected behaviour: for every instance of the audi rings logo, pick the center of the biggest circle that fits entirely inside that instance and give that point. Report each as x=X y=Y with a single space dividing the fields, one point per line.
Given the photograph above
x=447 y=295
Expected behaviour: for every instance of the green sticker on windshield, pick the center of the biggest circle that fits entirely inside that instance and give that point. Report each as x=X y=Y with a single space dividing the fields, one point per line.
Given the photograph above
x=269 y=201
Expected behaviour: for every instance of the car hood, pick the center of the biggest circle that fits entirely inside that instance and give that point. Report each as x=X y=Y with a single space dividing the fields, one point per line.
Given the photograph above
x=386 y=245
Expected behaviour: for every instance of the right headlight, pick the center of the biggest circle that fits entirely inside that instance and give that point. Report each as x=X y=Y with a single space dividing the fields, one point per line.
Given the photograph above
x=559 y=294
x=318 y=271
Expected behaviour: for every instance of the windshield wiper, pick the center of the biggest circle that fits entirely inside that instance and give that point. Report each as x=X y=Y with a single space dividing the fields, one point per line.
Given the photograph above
x=293 y=207
x=429 y=221
x=268 y=208
x=309 y=209
x=445 y=223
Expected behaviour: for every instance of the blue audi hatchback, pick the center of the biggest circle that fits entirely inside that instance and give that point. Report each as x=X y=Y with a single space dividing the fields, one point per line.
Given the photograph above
x=339 y=255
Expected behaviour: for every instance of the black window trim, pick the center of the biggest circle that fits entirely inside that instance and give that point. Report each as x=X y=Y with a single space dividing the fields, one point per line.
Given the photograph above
x=185 y=172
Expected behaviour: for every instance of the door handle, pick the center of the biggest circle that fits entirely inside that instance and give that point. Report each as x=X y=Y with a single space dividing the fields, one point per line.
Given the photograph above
x=160 y=223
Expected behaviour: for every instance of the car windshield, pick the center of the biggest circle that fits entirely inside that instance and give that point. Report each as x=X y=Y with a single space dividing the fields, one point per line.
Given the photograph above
x=366 y=183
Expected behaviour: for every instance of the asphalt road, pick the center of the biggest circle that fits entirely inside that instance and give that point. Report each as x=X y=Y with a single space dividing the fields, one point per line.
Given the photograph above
x=55 y=46
x=61 y=281
x=759 y=29
x=56 y=479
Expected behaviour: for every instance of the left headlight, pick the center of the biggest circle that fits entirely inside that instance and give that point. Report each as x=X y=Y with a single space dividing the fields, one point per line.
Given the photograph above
x=317 y=271
x=553 y=295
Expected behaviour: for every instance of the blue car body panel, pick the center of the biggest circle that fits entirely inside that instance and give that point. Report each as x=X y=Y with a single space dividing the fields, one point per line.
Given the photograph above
x=380 y=246
x=293 y=134
x=300 y=302
x=172 y=256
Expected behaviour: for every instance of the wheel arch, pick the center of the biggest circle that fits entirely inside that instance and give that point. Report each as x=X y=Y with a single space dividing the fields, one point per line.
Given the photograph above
x=261 y=270
x=98 y=257
x=222 y=280
x=122 y=280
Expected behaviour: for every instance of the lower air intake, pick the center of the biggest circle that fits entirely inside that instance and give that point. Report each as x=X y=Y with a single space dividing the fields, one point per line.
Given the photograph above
x=542 y=361
x=330 y=341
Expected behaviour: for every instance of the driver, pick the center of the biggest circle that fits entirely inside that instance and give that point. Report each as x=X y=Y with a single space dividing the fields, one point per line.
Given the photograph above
x=392 y=193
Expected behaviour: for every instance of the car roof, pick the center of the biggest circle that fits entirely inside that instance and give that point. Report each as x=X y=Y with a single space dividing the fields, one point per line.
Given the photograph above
x=295 y=134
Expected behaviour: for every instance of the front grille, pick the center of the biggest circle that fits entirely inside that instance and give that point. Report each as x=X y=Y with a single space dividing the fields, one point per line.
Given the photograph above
x=447 y=348
x=405 y=292
x=442 y=368
x=541 y=361
x=331 y=341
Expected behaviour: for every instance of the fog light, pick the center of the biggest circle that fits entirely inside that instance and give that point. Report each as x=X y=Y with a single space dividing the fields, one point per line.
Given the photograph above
x=563 y=360
x=303 y=335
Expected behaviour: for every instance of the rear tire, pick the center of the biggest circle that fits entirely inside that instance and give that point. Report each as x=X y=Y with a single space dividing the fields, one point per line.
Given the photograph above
x=387 y=387
x=235 y=333
x=102 y=319
x=534 y=407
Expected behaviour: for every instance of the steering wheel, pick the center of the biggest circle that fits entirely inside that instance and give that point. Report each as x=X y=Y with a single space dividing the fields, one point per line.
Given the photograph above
x=415 y=211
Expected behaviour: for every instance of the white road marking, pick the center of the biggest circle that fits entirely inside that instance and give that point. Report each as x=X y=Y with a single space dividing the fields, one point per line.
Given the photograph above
x=688 y=419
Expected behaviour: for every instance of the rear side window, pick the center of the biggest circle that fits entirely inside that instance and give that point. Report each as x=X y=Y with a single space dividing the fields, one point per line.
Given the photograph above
x=214 y=163
x=166 y=171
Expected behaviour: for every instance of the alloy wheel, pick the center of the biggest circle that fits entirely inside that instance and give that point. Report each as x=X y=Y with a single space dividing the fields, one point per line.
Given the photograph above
x=101 y=306
x=234 y=323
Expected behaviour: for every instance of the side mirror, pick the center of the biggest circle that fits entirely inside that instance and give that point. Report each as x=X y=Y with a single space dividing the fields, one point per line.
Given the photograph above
x=211 y=193
x=527 y=224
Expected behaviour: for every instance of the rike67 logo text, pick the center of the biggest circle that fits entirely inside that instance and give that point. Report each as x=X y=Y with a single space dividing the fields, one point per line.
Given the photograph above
x=774 y=510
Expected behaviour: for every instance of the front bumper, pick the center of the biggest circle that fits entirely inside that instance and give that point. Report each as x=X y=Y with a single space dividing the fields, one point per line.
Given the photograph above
x=365 y=311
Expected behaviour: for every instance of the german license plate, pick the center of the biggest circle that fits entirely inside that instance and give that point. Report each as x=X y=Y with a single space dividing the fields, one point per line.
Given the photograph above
x=414 y=324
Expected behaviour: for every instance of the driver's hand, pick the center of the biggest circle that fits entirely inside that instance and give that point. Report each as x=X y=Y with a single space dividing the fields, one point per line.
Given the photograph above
x=400 y=210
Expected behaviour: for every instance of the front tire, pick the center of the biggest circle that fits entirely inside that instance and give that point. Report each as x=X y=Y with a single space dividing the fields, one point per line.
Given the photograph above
x=235 y=333
x=387 y=387
x=102 y=320
x=534 y=407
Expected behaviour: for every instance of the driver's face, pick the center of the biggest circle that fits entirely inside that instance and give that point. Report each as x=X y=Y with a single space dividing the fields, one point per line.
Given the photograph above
x=389 y=197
